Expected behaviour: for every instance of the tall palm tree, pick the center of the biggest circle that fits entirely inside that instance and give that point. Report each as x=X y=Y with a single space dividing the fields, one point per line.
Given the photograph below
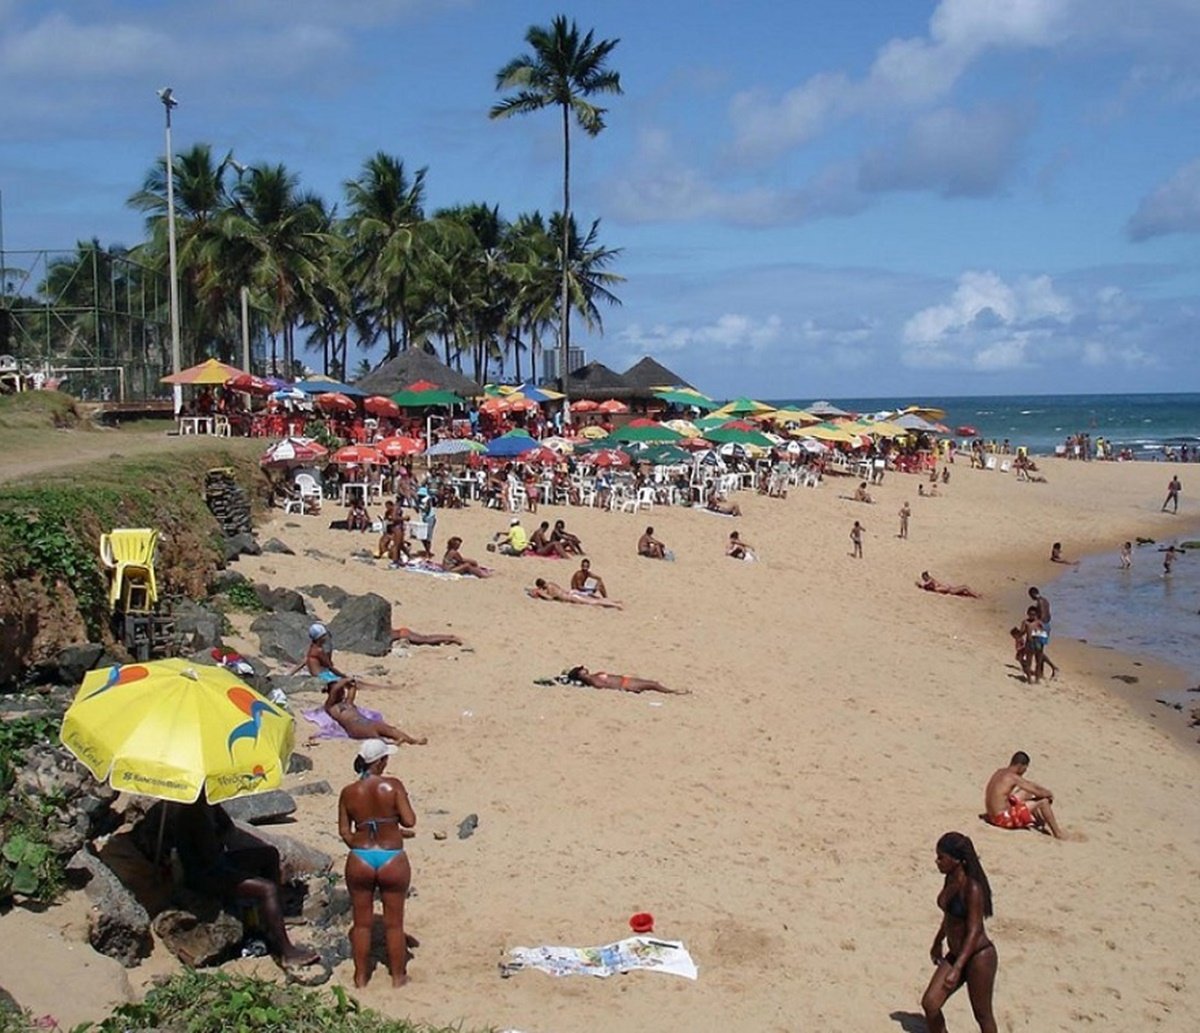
x=587 y=278
x=563 y=70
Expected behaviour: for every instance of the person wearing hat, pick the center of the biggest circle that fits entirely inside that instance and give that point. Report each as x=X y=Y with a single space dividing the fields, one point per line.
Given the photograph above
x=318 y=661
x=427 y=516
x=375 y=817
x=515 y=542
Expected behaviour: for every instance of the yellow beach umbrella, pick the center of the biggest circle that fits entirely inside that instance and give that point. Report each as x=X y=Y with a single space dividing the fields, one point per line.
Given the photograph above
x=685 y=427
x=828 y=432
x=743 y=407
x=169 y=728
x=926 y=412
x=594 y=432
x=782 y=416
x=208 y=372
x=885 y=429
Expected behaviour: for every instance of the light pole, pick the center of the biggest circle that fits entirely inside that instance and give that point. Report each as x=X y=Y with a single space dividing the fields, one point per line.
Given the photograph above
x=168 y=101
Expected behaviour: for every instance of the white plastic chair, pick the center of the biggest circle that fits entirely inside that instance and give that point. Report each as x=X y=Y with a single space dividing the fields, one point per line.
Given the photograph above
x=309 y=489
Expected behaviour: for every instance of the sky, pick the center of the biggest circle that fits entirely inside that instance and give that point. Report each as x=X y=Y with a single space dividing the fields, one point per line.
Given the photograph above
x=838 y=197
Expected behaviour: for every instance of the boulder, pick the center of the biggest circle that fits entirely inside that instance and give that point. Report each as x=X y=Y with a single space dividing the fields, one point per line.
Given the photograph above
x=73 y=662
x=280 y=600
x=118 y=925
x=282 y=636
x=312 y=789
x=363 y=625
x=198 y=941
x=299 y=763
x=199 y=627
x=297 y=861
x=330 y=594
x=275 y=545
x=241 y=544
x=224 y=580
x=260 y=808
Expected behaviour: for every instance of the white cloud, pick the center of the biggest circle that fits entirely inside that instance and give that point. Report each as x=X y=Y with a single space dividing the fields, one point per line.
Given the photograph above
x=61 y=47
x=1174 y=207
x=730 y=332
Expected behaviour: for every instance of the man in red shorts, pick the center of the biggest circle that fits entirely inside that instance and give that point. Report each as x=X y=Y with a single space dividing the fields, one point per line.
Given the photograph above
x=1013 y=802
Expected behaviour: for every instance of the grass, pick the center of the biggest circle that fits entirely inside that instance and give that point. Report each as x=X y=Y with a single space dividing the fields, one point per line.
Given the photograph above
x=37 y=409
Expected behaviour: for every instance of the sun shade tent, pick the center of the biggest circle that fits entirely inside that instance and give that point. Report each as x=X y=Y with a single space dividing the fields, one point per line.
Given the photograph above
x=210 y=371
x=411 y=399
x=511 y=445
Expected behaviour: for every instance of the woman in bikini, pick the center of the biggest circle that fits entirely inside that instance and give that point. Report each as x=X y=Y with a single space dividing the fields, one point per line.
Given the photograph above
x=965 y=901
x=620 y=682
x=374 y=819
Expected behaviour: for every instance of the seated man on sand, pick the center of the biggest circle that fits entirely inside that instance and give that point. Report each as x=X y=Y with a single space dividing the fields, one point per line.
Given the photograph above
x=587 y=582
x=861 y=494
x=931 y=584
x=719 y=504
x=1013 y=802
x=620 y=682
x=514 y=543
x=541 y=544
x=569 y=541
x=651 y=547
x=318 y=660
x=738 y=549
x=543 y=589
x=454 y=562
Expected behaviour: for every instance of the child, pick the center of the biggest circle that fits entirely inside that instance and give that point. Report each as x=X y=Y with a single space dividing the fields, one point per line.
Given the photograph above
x=1127 y=556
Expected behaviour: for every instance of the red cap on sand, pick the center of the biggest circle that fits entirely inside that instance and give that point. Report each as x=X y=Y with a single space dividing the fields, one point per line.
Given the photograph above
x=642 y=922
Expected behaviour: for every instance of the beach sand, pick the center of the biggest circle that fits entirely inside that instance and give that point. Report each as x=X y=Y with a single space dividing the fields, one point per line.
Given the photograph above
x=781 y=820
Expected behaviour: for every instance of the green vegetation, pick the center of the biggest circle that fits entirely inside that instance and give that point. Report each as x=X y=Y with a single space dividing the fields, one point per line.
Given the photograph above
x=28 y=863
x=37 y=410
x=195 y=1002
x=242 y=597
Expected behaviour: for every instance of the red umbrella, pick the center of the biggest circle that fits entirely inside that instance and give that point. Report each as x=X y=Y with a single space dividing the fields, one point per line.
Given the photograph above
x=423 y=385
x=541 y=454
x=397 y=446
x=335 y=402
x=610 y=457
x=495 y=406
x=738 y=425
x=250 y=383
x=377 y=405
x=612 y=406
x=359 y=455
x=695 y=444
x=293 y=450
x=522 y=404
x=584 y=405
x=641 y=421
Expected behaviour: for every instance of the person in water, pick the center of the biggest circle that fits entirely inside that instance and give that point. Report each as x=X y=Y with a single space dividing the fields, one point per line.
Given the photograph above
x=965 y=901
x=375 y=817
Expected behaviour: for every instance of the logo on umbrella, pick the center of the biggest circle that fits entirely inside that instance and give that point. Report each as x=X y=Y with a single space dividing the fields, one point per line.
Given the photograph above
x=118 y=675
x=248 y=703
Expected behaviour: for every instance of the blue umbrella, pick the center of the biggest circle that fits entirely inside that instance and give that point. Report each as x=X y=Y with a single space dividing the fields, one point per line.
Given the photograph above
x=511 y=444
x=535 y=394
x=321 y=386
x=452 y=447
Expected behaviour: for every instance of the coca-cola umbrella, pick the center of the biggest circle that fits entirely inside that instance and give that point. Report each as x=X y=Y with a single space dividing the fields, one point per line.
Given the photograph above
x=293 y=452
x=359 y=455
x=335 y=402
x=251 y=384
x=541 y=454
x=377 y=405
x=585 y=405
x=609 y=457
x=398 y=446
x=612 y=406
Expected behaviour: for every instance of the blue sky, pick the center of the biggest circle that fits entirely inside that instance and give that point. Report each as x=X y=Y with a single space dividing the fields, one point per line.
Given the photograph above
x=819 y=199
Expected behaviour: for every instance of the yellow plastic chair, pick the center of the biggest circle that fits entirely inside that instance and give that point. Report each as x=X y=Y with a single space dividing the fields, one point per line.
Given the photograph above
x=129 y=552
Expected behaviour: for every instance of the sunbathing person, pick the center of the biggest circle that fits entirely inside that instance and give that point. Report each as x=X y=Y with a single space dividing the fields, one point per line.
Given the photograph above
x=415 y=638
x=454 y=562
x=1013 y=802
x=738 y=549
x=540 y=543
x=585 y=581
x=570 y=542
x=932 y=584
x=718 y=504
x=543 y=589
x=339 y=704
x=621 y=682
x=651 y=547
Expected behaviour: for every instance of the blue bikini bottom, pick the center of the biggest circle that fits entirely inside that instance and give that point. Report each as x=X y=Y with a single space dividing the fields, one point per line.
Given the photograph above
x=376 y=857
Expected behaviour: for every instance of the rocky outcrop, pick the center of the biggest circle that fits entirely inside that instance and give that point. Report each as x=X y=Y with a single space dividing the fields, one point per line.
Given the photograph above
x=260 y=808
x=280 y=600
x=363 y=625
x=118 y=925
x=207 y=938
x=199 y=626
x=282 y=636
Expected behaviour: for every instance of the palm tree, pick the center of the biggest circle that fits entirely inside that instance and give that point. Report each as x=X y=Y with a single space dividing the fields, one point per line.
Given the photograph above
x=587 y=279
x=563 y=70
x=534 y=277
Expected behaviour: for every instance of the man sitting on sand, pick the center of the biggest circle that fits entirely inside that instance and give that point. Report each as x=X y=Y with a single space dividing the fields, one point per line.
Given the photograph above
x=319 y=658
x=570 y=541
x=454 y=562
x=861 y=494
x=585 y=581
x=1013 y=802
x=514 y=543
x=738 y=549
x=540 y=543
x=931 y=584
x=719 y=504
x=620 y=682
x=651 y=547
x=543 y=589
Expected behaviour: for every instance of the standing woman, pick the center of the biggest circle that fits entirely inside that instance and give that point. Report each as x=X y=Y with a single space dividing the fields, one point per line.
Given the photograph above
x=965 y=901
x=374 y=819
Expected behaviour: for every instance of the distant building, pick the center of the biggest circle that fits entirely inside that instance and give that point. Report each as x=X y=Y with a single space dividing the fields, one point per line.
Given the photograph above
x=551 y=367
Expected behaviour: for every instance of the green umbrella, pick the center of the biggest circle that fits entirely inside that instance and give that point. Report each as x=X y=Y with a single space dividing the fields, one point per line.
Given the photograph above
x=743 y=407
x=663 y=455
x=650 y=435
x=739 y=436
x=685 y=396
x=421 y=399
x=707 y=423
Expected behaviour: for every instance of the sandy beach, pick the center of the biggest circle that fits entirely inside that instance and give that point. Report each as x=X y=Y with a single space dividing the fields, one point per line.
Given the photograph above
x=780 y=820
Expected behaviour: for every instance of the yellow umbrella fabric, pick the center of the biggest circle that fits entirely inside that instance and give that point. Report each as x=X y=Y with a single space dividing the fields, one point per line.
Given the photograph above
x=926 y=412
x=594 y=432
x=169 y=728
x=208 y=372
x=826 y=432
x=884 y=429
x=743 y=407
x=782 y=416
x=685 y=427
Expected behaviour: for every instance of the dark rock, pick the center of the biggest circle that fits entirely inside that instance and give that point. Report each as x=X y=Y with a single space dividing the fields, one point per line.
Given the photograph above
x=8 y=1003
x=118 y=925
x=198 y=941
x=330 y=594
x=312 y=789
x=317 y=554
x=73 y=662
x=282 y=636
x=299 y=763
x=467 y=827
x=224 y=580
x=199 y=626
x=297 y=861
x=242 y=544
x=281 y=600
x=275 y=545
x=363 y=625
x=309 y=975
x=260 y=808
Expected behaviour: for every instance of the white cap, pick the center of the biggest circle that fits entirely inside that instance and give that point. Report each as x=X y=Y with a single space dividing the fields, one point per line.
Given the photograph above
x=514 y=521
x=374 y=749
x=317 y=631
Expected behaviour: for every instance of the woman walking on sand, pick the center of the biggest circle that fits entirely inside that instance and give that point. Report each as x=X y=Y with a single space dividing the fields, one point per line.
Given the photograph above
x=374 y=819
x=965 y=901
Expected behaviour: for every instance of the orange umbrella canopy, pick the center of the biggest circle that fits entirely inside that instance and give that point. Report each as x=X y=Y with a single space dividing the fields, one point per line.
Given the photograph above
x=584 y=405
x=613 y=406
x=377 y=405
x=208 y=372
x=397 y=446
x=335 y=402
x=359 y=455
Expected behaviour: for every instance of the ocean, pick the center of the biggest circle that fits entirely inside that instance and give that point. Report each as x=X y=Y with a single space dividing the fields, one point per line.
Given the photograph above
x=1146 y=423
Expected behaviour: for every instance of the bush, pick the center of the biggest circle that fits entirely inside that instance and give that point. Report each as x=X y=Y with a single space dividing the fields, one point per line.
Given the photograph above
x=28 y=863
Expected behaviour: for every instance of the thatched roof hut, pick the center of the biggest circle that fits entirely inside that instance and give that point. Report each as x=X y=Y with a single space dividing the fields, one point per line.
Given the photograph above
x=413 y=365
x=647 y=374
x=597 y=381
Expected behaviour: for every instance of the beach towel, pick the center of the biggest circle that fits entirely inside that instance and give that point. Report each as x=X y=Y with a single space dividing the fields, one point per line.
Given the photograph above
x=643 y=953
x=713 y=512
x=431 y=569
x=328 y=728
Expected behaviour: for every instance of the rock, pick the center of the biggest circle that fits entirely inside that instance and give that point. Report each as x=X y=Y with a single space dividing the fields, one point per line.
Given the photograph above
x=312 y=789
x=317 y=554
x=73 y=662
x=224 y=580
x=363 y=625
x=198 y=941
x=8 y=1006
x=297 y=860
x=199 y=626
x=330 y=594
x=281 y=600
x=467 y=827
x=308 y=975
x=300 y=762
x=241 y=544
x=275 y=545
x=118 y=925
x=282 y=636
x=260 y=808
x=439 y=835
